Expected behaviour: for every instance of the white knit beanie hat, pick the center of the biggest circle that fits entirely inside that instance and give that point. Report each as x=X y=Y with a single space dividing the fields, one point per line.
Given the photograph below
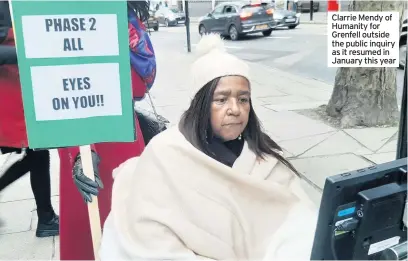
x=214 y=62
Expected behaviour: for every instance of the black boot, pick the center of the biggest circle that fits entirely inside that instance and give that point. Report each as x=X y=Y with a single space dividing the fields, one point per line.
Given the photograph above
x=48 y=224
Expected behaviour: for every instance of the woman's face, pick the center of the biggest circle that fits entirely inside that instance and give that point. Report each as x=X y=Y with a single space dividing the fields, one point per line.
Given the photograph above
x=230 y=107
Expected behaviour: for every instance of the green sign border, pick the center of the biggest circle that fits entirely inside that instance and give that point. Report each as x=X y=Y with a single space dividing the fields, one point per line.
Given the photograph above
x=75 y=132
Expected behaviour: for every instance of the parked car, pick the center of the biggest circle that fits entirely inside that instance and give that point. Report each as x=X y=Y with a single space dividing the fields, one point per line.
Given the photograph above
x=235 y=19
x=285 y=18
x=304 y=5
x=403 y=45
x=170 y=16
x=152 y=22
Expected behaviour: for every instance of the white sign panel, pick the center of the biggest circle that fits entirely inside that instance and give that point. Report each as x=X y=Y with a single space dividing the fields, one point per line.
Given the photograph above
x=363 y=39
x=76 y=91
x=55 y=36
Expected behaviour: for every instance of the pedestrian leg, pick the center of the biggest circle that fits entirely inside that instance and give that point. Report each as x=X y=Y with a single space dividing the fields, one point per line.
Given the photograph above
x=40 y=177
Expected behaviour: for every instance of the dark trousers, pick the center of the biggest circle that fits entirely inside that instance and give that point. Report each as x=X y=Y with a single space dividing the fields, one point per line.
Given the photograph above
x=38 y=164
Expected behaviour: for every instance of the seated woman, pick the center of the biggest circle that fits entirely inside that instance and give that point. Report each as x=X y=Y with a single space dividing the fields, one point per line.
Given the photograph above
x=215 y=186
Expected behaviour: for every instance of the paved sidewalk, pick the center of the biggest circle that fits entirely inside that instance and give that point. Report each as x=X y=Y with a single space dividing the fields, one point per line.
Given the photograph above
x=316 y=149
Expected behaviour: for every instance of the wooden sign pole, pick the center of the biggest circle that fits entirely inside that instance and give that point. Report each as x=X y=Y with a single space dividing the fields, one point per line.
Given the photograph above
x=93 y=208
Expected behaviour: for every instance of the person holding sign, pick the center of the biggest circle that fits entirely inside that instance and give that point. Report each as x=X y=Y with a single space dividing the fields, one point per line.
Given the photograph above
x=13 y=137
x=223 y=190
x=75 y=236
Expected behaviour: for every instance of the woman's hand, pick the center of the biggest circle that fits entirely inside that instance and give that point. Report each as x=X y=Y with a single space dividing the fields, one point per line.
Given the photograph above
x=85 y=185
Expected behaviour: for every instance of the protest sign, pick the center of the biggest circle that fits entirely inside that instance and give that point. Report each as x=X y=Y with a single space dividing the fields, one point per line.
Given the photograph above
x=363 y=39
x=75 y=72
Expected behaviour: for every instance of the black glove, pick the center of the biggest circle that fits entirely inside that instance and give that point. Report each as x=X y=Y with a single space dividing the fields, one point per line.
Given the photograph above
x=86 y=186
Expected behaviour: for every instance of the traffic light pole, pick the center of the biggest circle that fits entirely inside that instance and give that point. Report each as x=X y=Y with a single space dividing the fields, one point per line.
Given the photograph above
x=402 y=132
x=187 y=26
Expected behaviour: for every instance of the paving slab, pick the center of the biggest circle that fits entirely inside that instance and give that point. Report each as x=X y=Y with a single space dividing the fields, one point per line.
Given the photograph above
x=340 y=143
x=263 y=114
x=15 y=216
x=289 y=83
x=317 y=169
x=258 y=73
x=25 y=246
x=261 y=111
x=181 y=101
x=174 y=93
x=379 y=158
x=286 y=153
x=391 y=146
x=252 y=57
x=19 y=190
x=289 y=60
x=296 y=106
x=372 y=138
x=299 y=146
x=277 y=100
x=172 y=73
x=300 y=80
x=294 y=88
x=287 y=125
x=277 y=140
x=263 y=94
x=314 y=194
x=256 y=102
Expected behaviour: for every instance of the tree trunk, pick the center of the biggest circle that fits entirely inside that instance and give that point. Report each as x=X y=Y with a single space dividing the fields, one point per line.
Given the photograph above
x=366 y=96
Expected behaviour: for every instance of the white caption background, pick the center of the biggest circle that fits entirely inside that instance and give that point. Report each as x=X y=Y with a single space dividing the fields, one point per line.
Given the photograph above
x=38 y=43
x=48 y=84
x=355 y=43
